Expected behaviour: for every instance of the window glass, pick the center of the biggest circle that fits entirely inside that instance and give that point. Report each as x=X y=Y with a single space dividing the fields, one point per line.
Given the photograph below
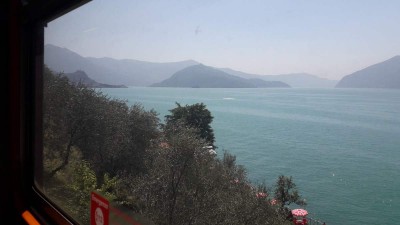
x=223 y=112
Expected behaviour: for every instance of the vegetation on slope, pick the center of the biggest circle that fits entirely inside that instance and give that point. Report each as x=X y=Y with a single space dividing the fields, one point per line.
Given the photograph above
x=162 y=173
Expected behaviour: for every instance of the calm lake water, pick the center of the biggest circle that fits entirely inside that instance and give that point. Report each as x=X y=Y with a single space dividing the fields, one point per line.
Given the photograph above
x=342 y=146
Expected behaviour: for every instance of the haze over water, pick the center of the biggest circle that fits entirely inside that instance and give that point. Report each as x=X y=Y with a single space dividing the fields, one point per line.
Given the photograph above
x=340 y=145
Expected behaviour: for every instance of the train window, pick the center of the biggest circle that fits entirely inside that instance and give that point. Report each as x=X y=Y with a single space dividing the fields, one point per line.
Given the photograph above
x=147 y=104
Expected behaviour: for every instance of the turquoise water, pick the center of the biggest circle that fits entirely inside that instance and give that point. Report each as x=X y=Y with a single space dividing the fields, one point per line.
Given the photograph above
x=342 y=146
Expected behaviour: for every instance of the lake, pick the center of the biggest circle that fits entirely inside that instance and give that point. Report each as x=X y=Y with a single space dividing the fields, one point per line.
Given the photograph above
x=341 y=146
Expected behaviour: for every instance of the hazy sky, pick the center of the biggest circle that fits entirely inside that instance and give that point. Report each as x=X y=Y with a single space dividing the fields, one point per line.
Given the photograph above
x=326 y=38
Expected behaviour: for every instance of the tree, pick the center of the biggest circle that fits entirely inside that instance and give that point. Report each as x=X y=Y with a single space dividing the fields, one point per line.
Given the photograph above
x=61 y=127
x=110 y=135
x=185 y=184
x=92 y=142
x=143 y=130
x=286 y=193
x=195 y=116
x=83 y=182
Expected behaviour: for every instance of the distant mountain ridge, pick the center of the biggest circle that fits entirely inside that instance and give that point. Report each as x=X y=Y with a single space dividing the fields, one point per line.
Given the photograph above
x=111 y=71
x=81 y=77
x=296 y=80
x=260 y=83
x=201 y=76
x=140 y=73
x=385 y=74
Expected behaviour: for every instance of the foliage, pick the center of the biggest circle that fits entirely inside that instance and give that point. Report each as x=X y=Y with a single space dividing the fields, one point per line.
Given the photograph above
x=71 y=187
x=110 y=135
x=286 y=192
x=195 y=116
x=163 y=173
x=83 y=182
x=188 y=185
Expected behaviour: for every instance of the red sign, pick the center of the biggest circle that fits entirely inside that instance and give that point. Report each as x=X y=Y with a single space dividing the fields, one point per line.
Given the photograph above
x=99 y=210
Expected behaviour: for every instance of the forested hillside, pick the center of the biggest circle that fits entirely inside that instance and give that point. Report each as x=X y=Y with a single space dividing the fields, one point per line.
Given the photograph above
x=159 y=173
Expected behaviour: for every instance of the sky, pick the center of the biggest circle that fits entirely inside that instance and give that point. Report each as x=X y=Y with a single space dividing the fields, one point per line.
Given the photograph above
x=327 y=38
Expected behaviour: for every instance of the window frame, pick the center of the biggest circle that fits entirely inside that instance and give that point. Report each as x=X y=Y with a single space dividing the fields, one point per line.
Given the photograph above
x=25 y=22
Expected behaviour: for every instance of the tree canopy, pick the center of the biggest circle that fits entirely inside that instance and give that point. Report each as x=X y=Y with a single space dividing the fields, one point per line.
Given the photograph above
x=161 y=173
x=195 y=116
x=286 y=192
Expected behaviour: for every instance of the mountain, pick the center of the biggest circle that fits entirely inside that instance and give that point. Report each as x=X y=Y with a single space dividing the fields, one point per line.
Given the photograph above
x=296 y=80
x=381 y=75
x=111 y=71
x=260 y=83
x=201 y=76
x=139 y=73
x=81 y=77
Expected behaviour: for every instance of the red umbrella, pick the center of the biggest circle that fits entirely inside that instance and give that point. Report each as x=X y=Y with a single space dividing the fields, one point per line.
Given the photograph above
x=261 y=195
x=299 y=212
